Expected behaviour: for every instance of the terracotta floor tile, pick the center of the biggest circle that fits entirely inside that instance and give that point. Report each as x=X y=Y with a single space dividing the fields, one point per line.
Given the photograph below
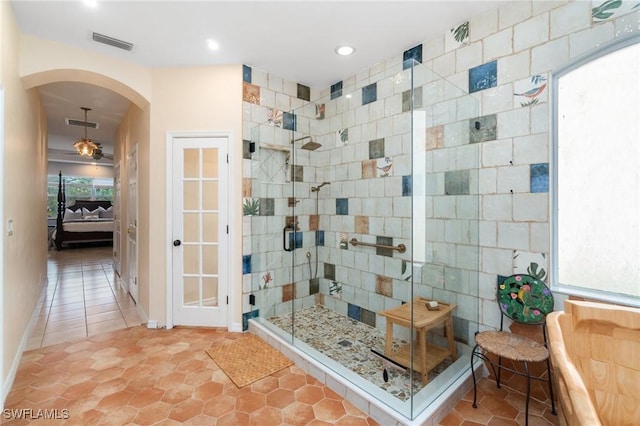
x=164 y=377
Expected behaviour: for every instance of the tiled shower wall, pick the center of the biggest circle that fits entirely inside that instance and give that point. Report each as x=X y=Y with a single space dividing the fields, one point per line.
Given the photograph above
x=504 y=59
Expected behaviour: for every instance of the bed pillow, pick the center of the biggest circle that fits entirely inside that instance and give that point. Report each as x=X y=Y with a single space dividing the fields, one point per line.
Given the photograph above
x=86 y=212
x=91 y=216
x=72 y=215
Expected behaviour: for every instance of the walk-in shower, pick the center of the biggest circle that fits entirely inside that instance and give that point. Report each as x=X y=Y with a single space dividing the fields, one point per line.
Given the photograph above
x=400 y=158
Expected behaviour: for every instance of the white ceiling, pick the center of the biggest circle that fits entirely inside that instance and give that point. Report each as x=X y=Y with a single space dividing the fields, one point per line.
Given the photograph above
x=291 y=39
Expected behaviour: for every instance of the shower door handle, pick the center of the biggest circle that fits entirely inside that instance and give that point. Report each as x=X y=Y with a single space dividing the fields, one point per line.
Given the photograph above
x=284 y=239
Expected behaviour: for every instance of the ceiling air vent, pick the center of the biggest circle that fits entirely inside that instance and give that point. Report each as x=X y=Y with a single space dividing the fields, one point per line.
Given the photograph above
x=81 y=123
x=101 y=38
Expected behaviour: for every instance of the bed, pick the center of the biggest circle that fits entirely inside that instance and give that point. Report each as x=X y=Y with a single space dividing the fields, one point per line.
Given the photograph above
x=85 y=221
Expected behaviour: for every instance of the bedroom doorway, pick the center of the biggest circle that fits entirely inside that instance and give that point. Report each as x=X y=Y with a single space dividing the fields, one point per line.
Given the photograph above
x=132 y=223
x=199 y=226
x=117 y=192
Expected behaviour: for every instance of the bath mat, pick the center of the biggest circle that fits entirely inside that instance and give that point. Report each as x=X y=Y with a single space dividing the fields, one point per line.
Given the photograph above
x=248 y=359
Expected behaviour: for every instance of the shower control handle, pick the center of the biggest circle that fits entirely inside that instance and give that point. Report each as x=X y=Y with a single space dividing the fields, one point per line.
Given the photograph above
x=284 y=239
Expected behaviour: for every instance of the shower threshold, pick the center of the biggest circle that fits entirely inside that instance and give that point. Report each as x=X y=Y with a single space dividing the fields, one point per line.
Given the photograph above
x=387 y=403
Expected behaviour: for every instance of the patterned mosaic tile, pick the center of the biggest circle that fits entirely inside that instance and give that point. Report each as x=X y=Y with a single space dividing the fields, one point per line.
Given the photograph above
x=251 y=93
x=267 y=207
x=539 y=177
x=342 y=206
x=483 y=76
x=456 y=182
x=336 y=90
x=362 y=224
x=320 y=110
x=531 y=91
x=483 y=129
x=376 y=148
x=410 y=55
x=384 y=166
x=246 y=264
x=435 y=137
x=304 y=92
x=246 y=74
x=384 y=285
x=342 y=136
x=369 y=169
x=289 y=121
x=370 y=93
x=457 y=36
x=330 y=271
x=349 y=342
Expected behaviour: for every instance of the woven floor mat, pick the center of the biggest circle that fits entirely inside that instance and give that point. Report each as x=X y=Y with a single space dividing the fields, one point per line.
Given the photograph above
x=248 y=359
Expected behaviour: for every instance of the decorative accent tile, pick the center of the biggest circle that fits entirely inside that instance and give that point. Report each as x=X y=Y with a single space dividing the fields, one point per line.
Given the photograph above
x=320 y=109
x=287 y=292
x=435 y=137
x=335 y=289
x=457 y=36
x=314 y=221
x=266 y=207
x=362 y=224
x=387 y=241
x=246 y=264
x=532 y=91
x=304 y=92
x=289 y=121
x=384 y=166
x=539 y=177
x=297 y=173
x=410 y=55
x=320 y=238
x=330 y=271
x=483 y=129
x=534 y=264
x=251 y=207
x=384 y=285
x=314 y=286
x=342 y=206
x=353 y=312
x=483 y=76
x=246 y=152
x=246 y=189
x=342 y=136
x=292 y=202
x=251 y=93
x=291 y=222
x=417 y=99
x=604 y=10
x=247 y=316
x=246 y=73
x=456 y=182
x=342 y=240
x=368 y=317
x=376 y=148
x=274 y=117
x=295 y=239
x=370 y=93
x=266 y=279
x=407 y=186
x=369 y=169
x=336 y=90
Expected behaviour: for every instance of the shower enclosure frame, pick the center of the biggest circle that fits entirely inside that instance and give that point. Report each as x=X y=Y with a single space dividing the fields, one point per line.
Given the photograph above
x=433 y=116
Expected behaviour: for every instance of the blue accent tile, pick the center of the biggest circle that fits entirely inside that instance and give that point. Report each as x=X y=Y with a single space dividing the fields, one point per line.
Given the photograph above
x=320 y=238
x=342 y=206
x=336 y=90
x=540 y=177
x=298 y=237
x=354 y=312
x=289 y=121
x=246 y=74
x=413 y=54
x=246 y=264
x=369 y=93
x=407 y=186
x=295 y=239
x=247 y=316
x=483 y=76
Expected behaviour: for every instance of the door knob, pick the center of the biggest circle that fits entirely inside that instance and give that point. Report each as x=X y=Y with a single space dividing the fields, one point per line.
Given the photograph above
x=176 y=243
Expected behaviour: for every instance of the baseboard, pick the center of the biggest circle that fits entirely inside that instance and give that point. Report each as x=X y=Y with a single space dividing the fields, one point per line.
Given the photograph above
x=236 y=327
x=142 y=314
x=11 y=374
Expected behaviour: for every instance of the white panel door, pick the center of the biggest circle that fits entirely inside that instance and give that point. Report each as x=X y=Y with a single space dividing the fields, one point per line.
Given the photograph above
x=199 y=229
x=132 y=223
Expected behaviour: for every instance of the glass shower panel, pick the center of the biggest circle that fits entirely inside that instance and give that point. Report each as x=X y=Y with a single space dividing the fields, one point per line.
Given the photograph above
x=363 y=209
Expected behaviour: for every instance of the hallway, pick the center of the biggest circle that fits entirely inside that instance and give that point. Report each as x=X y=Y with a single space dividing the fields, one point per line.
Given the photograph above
x=84 y=297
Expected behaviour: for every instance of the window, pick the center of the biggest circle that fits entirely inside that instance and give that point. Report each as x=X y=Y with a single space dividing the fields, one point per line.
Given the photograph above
x=77 y=188
x=596 y=164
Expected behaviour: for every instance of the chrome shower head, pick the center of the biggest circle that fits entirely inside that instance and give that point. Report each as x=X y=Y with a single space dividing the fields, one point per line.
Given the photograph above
x=317 y=188
x=310 y=145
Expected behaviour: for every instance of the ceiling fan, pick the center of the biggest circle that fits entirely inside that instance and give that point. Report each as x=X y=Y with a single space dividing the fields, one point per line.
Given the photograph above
x=88 y=148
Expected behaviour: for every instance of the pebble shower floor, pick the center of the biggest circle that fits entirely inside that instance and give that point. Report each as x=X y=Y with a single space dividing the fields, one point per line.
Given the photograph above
x=349 y=343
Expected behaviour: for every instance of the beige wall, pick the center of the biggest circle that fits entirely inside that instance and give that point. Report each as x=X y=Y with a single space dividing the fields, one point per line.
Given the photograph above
x=25 y=252
x=190 y=100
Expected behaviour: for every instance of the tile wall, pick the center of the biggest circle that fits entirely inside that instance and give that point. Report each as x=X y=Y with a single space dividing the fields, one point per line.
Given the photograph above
x=488 y=167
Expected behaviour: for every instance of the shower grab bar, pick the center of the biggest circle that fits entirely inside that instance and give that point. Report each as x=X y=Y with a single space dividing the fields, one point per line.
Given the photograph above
x=400 y=247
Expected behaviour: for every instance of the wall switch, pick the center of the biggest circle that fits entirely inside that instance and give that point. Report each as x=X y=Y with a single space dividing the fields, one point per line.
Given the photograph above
x=9 y=227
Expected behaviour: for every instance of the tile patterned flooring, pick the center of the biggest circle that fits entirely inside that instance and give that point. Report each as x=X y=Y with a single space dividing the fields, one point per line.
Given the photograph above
x=139 y=376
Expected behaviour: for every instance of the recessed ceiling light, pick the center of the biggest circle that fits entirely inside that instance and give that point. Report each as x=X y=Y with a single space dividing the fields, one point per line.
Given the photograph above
x=212 y=44
x=91 y=3
x=345 y=50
